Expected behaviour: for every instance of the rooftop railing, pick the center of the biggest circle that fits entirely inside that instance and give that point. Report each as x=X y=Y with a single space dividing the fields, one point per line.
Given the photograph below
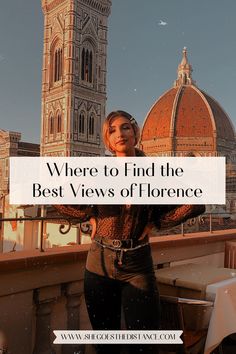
x=207 y=222
x=43 y=291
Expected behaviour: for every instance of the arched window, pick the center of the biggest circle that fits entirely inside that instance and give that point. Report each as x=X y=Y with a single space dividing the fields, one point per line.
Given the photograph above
x=87 y=65
x=81 y=123
x=55 y=66
x=90 y=66
x=82 y=64
x=58 y=123
x=76 y=123
x=60 y=64
x=91 y=124
x=57 y=75
x=51 y=125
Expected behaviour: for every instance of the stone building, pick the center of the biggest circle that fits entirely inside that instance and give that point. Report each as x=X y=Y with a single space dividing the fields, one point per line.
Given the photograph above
x=74 y=76
x=186 y=121
x=12 y=234
x=11 y=145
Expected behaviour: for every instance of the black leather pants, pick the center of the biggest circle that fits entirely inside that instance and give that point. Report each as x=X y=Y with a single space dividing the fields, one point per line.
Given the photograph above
x=113 y=282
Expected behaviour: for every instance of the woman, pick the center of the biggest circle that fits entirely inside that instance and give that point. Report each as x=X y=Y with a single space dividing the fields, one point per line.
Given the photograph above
x=119 y=269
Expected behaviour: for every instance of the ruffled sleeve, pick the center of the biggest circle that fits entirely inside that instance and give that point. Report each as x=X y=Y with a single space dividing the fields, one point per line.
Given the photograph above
x=168 y=216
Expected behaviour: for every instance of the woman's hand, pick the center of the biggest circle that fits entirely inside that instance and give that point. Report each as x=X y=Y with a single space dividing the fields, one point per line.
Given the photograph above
x=148 y=228
x=180 y=214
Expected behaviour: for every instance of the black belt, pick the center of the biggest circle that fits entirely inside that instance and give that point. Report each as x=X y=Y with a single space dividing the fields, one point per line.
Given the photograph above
x=121 y=244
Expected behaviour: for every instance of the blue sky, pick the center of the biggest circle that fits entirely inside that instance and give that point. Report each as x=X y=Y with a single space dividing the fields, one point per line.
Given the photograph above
x=142 y=56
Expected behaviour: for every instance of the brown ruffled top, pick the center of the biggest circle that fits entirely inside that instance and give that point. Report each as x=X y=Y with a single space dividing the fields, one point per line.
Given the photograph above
x=129 y=221
x=124 y=221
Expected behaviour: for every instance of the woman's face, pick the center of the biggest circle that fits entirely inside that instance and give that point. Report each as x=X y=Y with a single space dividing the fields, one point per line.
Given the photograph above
x=122 y=136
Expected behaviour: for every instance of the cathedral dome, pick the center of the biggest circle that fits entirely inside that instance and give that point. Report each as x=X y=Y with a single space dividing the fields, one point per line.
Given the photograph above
x=185 y=112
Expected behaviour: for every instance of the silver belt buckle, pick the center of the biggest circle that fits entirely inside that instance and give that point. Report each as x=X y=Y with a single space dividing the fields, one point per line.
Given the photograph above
x=116 y=243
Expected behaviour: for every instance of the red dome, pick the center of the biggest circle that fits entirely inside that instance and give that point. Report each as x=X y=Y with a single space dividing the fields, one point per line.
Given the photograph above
x=184 y=112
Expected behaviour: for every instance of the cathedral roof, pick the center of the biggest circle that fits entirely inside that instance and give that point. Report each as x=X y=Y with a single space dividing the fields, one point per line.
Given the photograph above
x=186 y=111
